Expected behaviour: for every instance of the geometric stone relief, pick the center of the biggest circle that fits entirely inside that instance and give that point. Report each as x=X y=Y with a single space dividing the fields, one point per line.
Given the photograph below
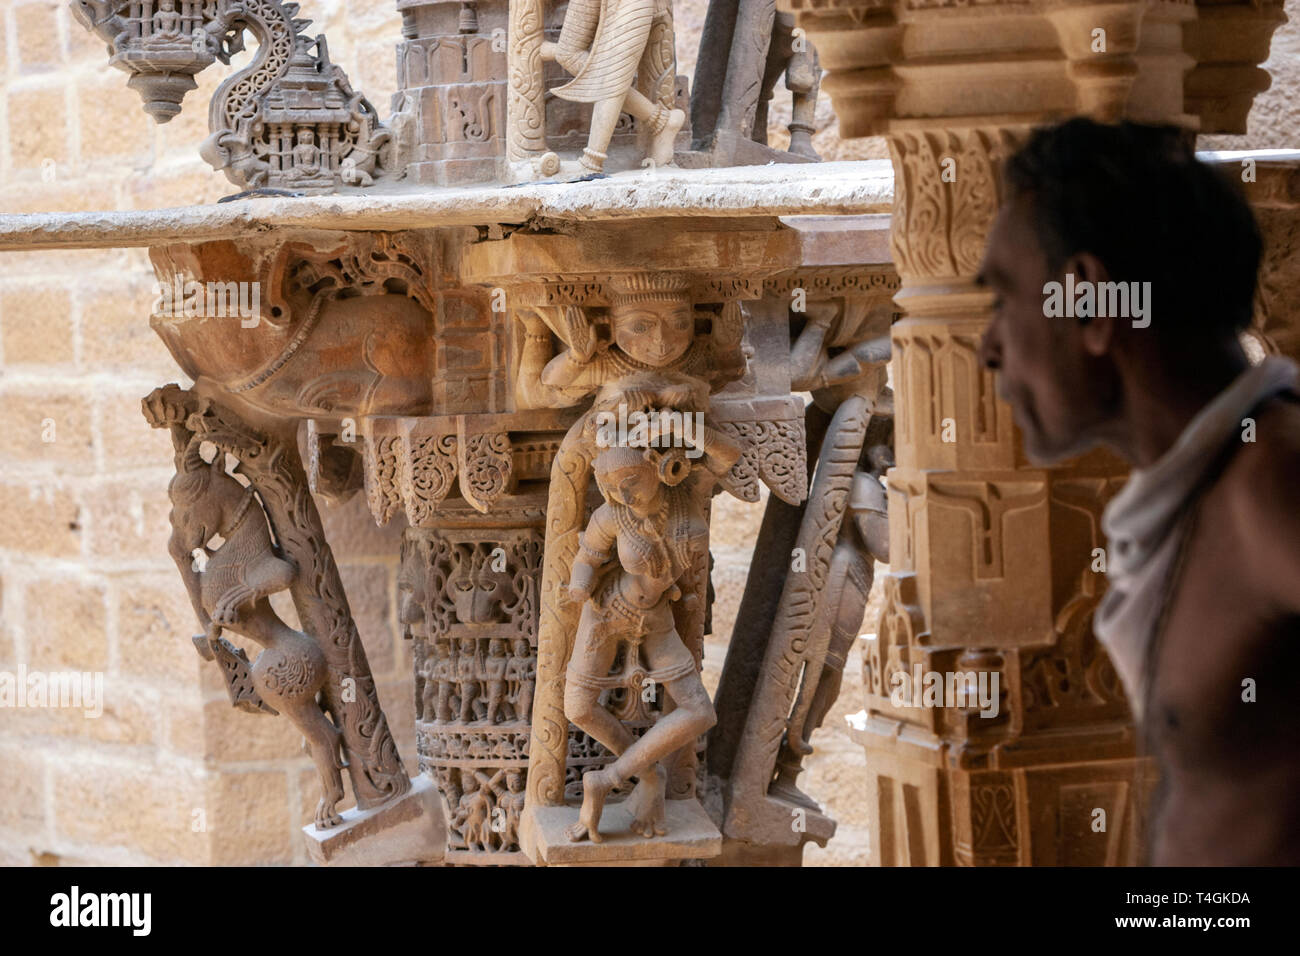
x=947 y=403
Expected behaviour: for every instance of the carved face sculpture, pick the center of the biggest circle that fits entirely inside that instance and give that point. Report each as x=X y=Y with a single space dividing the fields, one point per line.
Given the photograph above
x=654 y=333
x=497 y=647
x=478 y=591
x=514 y=780
x=467 y=647
x=627 y=478
x=521 y=648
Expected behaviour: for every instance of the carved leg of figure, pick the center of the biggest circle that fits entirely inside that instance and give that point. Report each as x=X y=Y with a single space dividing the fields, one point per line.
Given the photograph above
x=468 y=694
x=851 y=590
x=692 y=717
x=596 y=785
x=323 y=743
x=496 y=699
x=648 y=801
x=798 y=744
x=267 y=575
x=803 y=80
x=779 y=51
x=288 y=675
x=664 y=124
x=593 y=654
x=442 y=711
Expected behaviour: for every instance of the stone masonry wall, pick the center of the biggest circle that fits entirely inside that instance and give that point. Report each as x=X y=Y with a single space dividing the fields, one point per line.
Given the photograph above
x=170 y=772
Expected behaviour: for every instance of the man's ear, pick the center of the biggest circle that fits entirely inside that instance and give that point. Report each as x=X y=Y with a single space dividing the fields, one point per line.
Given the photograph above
x=1097 y=333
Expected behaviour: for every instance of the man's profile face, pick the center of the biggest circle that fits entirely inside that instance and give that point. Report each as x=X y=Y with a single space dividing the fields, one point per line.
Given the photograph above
x=1042 y=369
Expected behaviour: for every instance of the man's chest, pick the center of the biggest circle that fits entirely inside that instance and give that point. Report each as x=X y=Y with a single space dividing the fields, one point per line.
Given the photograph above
x=1216 y=653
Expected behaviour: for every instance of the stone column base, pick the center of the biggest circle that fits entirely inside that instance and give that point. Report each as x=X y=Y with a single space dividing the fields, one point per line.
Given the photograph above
x=405 y=831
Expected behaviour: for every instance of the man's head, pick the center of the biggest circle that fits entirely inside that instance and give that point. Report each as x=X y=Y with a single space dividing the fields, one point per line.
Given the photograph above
x=1113 y=208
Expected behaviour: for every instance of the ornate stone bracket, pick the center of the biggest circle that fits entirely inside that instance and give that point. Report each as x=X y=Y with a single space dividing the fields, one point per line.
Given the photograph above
x=289 y=120
x=230 y=580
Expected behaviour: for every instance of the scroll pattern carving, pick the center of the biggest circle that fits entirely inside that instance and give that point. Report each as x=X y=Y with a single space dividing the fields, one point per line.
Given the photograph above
x=942 y=222
x=774 y=452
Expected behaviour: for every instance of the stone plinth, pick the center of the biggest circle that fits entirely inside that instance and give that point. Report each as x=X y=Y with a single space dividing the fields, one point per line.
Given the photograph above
x=405 y=831
x=691 y=836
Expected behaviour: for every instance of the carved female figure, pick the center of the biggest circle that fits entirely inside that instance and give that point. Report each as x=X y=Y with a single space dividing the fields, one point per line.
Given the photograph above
x=636 y=547
x=651 y=326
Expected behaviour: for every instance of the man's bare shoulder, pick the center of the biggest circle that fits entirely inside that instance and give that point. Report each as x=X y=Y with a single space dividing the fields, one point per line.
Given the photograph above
x=1261 y=490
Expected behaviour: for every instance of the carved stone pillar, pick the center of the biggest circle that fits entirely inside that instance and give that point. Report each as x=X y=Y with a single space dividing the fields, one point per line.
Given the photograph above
x=990 y=557
x=1272 y=183
x=573 y=299
x=811 y=573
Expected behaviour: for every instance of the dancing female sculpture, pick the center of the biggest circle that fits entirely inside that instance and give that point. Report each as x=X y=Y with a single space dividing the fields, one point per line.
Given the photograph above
x=636 y=547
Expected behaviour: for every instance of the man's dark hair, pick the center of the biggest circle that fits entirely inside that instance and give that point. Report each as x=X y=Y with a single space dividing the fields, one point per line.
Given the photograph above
x=1137 y=198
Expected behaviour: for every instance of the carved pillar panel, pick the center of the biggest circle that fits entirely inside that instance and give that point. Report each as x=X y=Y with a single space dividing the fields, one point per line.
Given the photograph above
x=470 y=591
x=610 y=324
x=989 y=556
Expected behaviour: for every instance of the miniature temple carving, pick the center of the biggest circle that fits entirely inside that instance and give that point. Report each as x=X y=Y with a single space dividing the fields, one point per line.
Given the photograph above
x=289 y=120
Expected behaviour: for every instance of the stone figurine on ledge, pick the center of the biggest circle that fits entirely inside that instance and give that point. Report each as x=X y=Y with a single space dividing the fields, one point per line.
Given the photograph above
x=608 y=47
x=635 y=549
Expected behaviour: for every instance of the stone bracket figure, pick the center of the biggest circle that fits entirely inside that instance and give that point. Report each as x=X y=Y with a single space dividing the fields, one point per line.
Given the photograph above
x=632 y=559
x=235 y=545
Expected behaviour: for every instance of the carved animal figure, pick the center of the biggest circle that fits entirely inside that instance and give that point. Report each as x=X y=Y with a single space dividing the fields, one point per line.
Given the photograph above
x=229 y=586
